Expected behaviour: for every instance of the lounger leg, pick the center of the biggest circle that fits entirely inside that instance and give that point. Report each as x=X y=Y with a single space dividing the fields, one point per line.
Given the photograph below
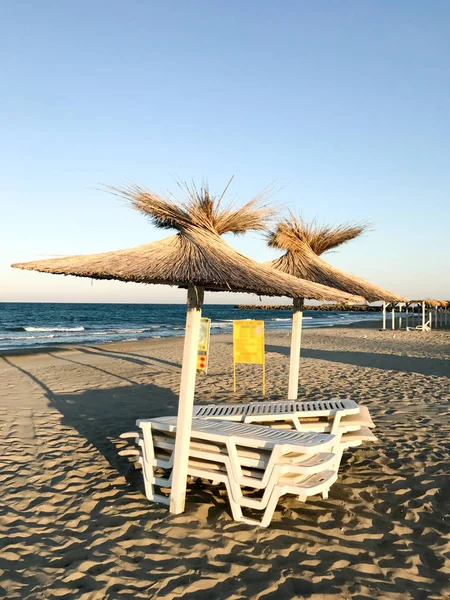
x=148 y=476
x=271 y=506
x=234 y=459
x=297 y=424
x=235 y=508
x=148 y=468
x=336 y=422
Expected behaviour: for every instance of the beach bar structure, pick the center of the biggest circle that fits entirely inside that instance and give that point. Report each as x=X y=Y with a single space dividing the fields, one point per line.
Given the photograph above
x=198 y=259
x=303 y=244
x=422 y=315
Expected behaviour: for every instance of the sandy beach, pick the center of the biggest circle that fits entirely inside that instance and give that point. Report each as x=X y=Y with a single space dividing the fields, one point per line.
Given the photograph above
x=74 y=521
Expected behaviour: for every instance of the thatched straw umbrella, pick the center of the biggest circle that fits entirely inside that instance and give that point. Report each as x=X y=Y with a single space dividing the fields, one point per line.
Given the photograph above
x=196 y=258
x=303 y=244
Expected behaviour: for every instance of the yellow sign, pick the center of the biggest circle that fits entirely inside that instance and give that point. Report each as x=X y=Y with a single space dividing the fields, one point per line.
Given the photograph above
x=203 y=345
x=248 y=346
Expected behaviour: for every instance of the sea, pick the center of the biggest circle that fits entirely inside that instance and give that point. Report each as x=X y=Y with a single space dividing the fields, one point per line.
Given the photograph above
x=35 y=325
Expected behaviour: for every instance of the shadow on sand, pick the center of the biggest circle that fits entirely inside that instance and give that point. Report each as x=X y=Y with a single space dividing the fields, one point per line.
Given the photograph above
x=389 y=362
x=138 y=359
x=101 y=415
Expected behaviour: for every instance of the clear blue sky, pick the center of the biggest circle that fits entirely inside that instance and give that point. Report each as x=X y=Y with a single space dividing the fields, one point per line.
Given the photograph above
x=345 y=104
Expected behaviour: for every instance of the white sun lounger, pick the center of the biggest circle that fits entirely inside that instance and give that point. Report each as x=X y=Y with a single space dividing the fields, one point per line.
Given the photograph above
x=348 y=435
x=232 y=436
x=319 y=415
x=252 y=478
x=282 y=453
x=241 y=434
x=262 y=465
x=303 y=487
x=338 y=417
x=251 y=458
x=425 y=327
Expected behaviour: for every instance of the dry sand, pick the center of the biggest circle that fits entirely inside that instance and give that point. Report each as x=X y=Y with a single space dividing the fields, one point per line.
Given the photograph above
x=74 y=522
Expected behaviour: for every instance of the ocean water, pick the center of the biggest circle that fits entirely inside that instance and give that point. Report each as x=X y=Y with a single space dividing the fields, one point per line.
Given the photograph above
x=32 y=325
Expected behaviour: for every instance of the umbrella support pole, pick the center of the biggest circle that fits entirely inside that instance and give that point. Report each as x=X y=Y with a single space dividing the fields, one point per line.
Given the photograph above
x=186 y=399
x=296 y=343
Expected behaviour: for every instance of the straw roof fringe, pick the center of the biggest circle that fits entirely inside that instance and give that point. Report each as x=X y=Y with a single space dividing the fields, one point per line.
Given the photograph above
x=294 y=234
x=196 y=255
x=199 y=210
x=303 y=243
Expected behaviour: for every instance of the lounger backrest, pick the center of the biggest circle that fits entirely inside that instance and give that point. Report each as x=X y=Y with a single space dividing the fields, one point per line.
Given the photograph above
x=265 y=409
x=246 y=435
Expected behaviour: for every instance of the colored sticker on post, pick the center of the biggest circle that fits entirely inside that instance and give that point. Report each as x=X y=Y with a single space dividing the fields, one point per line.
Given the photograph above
x=203 y=345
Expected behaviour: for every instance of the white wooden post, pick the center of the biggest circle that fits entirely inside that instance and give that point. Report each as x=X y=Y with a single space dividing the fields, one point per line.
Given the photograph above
x=423 y=316
x=393 y=317
x=186 y=399
x=435 y=317
x=384 y=316
x=296 y=343
x=407 y=316
x=400 y=316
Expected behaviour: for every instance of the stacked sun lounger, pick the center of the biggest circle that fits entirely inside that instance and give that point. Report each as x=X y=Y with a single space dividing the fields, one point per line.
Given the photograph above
x=267 y=448
x=350 y=423
x=241 y=457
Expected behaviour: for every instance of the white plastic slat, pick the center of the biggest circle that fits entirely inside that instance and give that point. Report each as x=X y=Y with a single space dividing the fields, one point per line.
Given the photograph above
x=274 y=408
x=255 y=433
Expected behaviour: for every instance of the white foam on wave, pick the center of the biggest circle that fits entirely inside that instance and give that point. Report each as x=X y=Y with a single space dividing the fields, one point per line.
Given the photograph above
x=35 y=329
x=28 y=337
x=129 y=331
x=117 y=331
x=54 y=328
